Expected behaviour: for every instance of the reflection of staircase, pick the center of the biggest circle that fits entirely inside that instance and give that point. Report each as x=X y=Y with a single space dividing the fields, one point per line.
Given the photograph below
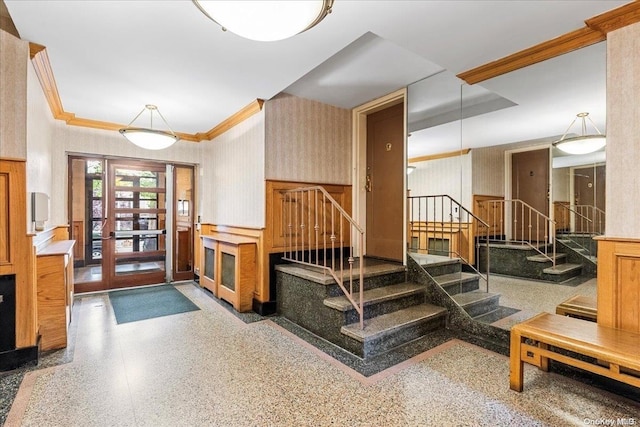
x=462 y=287
x=580 y=249
x=520 y=260
x=395 y=311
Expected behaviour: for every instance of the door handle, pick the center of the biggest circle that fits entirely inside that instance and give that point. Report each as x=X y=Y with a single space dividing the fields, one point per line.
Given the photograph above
x=368 y=185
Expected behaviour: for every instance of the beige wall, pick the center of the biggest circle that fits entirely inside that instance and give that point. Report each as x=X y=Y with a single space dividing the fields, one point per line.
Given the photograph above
x=623 y=132
x=232 y=181
x=307 y=141
x=449 y=176
x=14 y=56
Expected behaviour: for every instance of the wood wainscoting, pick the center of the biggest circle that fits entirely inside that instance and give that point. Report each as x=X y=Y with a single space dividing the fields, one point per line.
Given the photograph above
x=619 y=283
x=492 y=214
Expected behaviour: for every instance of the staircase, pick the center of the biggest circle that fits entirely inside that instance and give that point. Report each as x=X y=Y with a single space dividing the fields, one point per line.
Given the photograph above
x=463 y=287
x=580 y=249
x=395 y=311
x=521 y=260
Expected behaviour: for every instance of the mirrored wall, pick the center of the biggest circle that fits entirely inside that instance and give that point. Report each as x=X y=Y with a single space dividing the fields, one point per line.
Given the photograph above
x=485 y=175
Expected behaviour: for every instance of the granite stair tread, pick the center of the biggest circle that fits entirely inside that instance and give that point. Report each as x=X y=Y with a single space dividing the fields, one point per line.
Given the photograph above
x=474 y=297
x=447 y=279
x=542 y=258
x=391 y=322
x=376 y=295
x=562 y=268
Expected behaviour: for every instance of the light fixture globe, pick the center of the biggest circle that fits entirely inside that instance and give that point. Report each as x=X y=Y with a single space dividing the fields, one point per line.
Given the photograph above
x=149 y=138
x=265 y=20
x=582 y=144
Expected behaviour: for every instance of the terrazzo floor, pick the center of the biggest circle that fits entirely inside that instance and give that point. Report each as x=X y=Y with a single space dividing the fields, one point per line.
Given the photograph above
x=209 y=367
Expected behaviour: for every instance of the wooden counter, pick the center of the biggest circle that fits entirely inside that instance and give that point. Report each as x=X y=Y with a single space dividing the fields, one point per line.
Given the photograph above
x=55 y=292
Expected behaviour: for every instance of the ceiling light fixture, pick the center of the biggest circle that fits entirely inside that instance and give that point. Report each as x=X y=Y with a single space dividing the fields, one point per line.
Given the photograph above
x=150 y=138
x=584 y=143
x=410 y=169
x=265 y=20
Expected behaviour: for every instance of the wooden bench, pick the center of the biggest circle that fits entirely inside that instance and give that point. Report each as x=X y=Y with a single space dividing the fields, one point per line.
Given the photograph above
x=579 y=306
x=611 y=349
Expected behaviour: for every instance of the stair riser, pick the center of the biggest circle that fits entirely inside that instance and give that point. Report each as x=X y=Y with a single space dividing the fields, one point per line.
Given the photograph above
x=514 y=262
x=384 y=307
x=398 y=338
x=442 y=269
x=465 y=286
x=369 y=283
x=558 y=278
x=482 y=307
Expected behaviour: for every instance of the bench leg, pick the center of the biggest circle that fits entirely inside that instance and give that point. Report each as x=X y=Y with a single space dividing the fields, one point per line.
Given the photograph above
x=544 y=361
x=516 y=365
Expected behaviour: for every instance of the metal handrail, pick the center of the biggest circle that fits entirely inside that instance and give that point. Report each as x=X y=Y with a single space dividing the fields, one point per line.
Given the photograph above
x=583 y=220
x=517 y=226
x=310 y=217
x=427 y=215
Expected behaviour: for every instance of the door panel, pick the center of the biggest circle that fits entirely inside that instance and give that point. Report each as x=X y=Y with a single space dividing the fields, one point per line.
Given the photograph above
x=589 y=191
x=530 y=183
x=136 y=222
x=385 y=183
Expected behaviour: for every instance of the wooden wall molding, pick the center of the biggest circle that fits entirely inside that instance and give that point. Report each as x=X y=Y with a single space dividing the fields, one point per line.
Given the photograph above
x=439 y=156
x=42 y=66
x=594 y=31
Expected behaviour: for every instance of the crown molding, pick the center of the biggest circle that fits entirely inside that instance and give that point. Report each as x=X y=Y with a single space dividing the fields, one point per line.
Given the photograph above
x=439 y=156
x=42 y=66
x=594 y=31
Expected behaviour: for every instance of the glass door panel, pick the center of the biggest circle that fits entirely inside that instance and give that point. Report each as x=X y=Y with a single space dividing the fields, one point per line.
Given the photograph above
x=137 y=223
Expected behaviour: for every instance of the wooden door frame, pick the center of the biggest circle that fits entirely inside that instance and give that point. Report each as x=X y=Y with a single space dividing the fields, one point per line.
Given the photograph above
x=359 y=159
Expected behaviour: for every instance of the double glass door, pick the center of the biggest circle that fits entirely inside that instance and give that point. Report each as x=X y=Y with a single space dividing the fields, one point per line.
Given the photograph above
x=123 y=217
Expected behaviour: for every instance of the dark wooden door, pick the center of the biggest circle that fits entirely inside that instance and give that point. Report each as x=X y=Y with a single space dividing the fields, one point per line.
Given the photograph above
x=530 y=184
x=385 y=182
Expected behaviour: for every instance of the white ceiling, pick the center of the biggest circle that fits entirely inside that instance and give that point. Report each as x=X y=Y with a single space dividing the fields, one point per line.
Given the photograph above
x=110 y=58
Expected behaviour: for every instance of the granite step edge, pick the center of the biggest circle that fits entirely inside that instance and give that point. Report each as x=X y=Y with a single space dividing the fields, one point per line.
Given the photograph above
x=376 y=295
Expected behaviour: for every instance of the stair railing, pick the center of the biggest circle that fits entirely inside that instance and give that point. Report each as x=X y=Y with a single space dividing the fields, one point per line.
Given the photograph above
x=583 y=220
x=317 y=231
x=514 y=221
x=440 y=225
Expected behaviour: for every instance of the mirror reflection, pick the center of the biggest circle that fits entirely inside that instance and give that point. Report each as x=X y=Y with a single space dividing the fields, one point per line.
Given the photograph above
x=491 y=192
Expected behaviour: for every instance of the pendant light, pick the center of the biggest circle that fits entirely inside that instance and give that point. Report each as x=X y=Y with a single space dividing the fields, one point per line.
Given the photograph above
x=265 y=20
x=150 y=138
x=584 y=143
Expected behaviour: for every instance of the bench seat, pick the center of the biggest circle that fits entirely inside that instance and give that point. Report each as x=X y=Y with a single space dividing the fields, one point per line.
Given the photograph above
x=538 y=339
x=579 y=306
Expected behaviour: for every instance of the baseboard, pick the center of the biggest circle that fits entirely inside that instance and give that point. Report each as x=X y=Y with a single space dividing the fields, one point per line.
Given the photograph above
x=13 y=359
x=264 y=308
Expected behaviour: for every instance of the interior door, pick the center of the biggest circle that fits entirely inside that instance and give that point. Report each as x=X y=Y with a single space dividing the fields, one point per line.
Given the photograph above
x=589 y=193
x=136 y=221
x=385 y=183
x=530 y=184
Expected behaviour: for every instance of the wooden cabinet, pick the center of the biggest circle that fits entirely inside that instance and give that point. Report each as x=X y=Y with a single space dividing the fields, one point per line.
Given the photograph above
x=229 y=269
x=55 y=292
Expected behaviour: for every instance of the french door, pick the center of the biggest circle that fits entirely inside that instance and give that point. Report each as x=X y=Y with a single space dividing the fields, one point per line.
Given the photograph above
x=132 y=222
x=135 y=232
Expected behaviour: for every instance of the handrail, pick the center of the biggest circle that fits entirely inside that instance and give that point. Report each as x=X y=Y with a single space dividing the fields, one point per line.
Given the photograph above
x=584 y=220
x=522 y=223
x=436 y=218
x=310 y=215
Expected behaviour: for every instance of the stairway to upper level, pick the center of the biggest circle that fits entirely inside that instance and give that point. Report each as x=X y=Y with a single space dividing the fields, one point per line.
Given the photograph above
x=396 y=311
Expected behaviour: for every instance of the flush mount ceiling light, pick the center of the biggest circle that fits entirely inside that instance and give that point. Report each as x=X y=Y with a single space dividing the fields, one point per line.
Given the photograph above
x=584 y=143
x=150 y=138
x=266 y=20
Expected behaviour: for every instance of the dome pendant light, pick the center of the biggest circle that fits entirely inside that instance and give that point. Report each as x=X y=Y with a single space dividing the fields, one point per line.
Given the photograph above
x=584 y=143
x=150 y=138
x=265 y=20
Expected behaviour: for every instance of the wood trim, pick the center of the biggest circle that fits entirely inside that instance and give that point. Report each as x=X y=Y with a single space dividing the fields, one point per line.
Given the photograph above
x=242 y=115
x=42 y=66
x=541 y=52
x=439 y=156
x=594 y=31
x=615 y=19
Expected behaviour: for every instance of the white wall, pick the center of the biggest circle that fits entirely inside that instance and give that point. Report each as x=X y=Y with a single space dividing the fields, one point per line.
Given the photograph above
x=233 y=173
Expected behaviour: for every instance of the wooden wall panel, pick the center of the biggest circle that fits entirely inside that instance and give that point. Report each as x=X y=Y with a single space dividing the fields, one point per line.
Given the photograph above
x=619 y=283
x=5 y=241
